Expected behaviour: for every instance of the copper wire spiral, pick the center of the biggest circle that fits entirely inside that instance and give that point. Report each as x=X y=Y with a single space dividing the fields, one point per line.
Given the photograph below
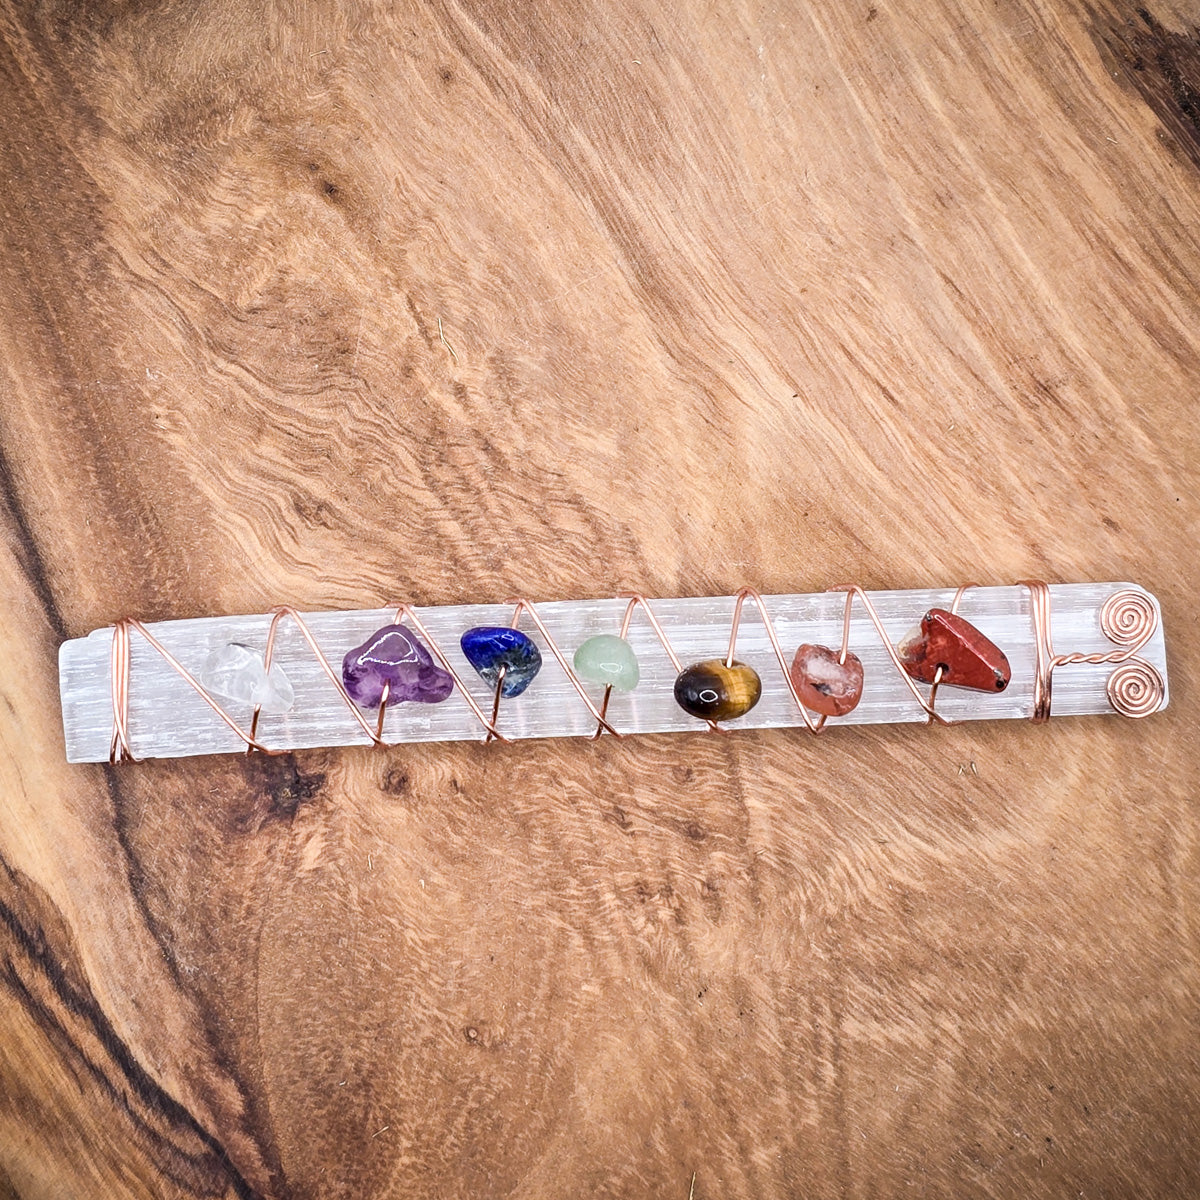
x=1135 y=689
x=1128 y=619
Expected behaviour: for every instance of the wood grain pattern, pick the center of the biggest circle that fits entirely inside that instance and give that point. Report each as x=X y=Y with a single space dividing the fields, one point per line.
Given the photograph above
x=341 y=303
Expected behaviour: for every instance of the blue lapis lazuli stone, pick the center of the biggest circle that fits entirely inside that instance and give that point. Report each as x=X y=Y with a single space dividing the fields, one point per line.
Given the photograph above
x=491 y=649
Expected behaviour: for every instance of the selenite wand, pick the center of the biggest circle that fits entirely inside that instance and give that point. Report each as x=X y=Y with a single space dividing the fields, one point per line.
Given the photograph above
x=626 y=665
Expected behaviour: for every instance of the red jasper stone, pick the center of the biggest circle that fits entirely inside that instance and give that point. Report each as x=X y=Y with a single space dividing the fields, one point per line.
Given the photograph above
x=967 y=658
x=825 y=685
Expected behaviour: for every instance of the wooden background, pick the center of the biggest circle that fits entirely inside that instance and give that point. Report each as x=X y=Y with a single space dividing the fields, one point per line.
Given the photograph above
x=901 y=292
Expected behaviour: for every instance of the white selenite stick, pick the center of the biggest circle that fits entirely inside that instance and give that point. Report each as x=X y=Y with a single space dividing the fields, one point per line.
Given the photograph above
x=167 y=719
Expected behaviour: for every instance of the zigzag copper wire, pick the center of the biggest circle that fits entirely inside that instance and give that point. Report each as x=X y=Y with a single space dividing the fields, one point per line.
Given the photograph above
x=286 y=610
x=1046 y=661
x=634 y=601
x=852 y=590
x=119 y=660
x=523 y=605
x=748 y=593
x=407 y=610
x=816 y=726
x=376 y=734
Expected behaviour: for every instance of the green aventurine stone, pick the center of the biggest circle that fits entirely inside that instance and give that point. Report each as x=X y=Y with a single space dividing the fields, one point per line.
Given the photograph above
x=608 y=660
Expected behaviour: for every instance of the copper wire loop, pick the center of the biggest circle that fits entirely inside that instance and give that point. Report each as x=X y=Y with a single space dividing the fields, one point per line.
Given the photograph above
x=1043 y=676
x=1127 y=618
x=119 y=660
x=636 y=601
x=1135 y=689
x=525 y=606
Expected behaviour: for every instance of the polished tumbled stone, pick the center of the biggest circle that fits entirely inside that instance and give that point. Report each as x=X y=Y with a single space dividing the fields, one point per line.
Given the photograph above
x=609 y=660
x=491 y=649
x=395 y=658
x=825 y=685
x=235 y=672
x=967 y=657
x=713 y=691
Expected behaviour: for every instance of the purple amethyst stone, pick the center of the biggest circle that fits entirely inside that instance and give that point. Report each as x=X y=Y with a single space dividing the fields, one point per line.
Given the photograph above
x=393 y=656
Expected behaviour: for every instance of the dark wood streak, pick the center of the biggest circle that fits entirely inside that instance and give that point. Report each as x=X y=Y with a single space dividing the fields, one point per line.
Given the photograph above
x=1162 y=65
x=38 y=969
x=28 y=550
x=8 y=1190
x=274 y=790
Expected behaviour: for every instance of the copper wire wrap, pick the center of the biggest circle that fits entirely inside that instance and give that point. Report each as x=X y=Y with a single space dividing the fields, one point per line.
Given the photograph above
x=636 y=601
x=523 y=605
x=1043 y=670
x=119 y=669
x=119 y=660
x=1129 y=619
x=853 y=591
x=750 y=594
x=407 y=610
x=277 y=616
x=376 y=734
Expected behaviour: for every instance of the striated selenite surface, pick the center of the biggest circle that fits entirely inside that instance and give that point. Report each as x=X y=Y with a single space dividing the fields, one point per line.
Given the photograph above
x=168 y=719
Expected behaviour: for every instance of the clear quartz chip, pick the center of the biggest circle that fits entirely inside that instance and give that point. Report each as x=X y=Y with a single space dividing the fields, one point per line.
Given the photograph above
x=235 y=672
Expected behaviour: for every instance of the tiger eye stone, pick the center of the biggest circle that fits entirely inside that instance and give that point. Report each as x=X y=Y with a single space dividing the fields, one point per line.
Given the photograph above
x=713 y=691
x=825 y=685
x=968 y=659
